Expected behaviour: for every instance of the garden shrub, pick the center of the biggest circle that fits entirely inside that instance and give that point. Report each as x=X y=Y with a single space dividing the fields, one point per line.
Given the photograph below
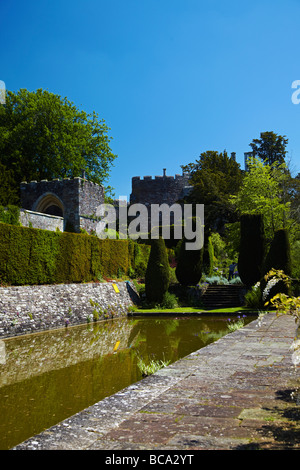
x=10 y=215
x=169 y=300
x=217 y=280
x=253 y=298
x=157 y=276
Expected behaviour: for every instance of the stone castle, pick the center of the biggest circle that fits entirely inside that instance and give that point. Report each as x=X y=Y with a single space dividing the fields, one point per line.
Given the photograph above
x=64 y=204
x=160 y=190
x=71 y=204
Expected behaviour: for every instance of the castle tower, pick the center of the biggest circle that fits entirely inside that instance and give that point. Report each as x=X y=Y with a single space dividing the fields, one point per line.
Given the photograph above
x=160 y=189
x=73 y=199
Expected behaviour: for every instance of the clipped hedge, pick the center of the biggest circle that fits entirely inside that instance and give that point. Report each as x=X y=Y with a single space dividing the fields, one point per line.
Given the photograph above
x=34 y=256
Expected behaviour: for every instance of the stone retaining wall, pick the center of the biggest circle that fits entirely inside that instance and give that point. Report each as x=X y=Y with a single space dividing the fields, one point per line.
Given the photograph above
x=27 y=309
x=41 y=221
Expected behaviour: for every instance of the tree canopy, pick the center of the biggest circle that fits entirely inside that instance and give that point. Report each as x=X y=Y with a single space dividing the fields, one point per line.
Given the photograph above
x=262 y=192
x=215 y=177
x=270 y=148
x=44 y=136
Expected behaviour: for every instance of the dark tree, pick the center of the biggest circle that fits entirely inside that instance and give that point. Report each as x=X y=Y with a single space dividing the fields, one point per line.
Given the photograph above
x=278 y=258
x=157 y=275
x=252 y=249
x=215 y=177
x=270 y=147
x=189 y=265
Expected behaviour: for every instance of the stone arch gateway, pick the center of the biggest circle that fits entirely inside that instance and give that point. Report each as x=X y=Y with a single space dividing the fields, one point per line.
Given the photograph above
x=50 y=204
x=76 y=200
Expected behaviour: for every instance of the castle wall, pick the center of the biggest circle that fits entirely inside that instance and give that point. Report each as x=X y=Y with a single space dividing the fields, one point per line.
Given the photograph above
x=41 y=221
x=74 y=197
x=159 y=190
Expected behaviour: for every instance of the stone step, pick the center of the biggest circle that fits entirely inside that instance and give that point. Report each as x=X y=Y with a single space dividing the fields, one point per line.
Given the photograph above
x=222 y=296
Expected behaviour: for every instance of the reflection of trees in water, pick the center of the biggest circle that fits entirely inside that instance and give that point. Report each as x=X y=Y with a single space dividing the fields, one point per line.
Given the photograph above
x=170 y=339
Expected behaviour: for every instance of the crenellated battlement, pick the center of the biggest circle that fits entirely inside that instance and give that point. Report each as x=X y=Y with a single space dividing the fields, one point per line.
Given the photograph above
x=159 y=189
x=160 y=177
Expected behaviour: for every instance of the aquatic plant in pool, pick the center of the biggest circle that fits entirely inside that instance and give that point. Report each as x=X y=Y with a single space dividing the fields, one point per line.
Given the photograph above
x=236 y=324
x=152 y=367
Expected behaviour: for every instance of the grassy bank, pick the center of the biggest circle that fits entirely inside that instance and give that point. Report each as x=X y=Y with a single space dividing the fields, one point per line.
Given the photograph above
x=190 y=310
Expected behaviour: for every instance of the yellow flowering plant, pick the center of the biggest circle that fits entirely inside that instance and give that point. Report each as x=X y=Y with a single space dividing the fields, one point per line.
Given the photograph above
x=289 y=305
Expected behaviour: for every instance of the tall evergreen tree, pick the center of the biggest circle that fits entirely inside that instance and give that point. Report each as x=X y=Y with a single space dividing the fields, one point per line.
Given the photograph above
x=271 y=148
x=157 y=275
x=252 y=249
x=189 y=265
x=278 y=258
x=214 y=178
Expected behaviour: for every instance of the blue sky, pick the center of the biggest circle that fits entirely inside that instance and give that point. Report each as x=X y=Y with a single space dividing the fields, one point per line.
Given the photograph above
x=171 y=78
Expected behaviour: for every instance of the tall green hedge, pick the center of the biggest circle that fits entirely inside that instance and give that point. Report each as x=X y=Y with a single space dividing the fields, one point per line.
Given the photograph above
x=33 y=256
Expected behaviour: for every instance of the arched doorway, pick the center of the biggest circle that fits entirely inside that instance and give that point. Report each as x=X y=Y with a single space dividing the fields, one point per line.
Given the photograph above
x=49 y=204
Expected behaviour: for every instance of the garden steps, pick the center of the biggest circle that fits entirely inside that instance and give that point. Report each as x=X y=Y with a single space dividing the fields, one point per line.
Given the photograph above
x=223 y=296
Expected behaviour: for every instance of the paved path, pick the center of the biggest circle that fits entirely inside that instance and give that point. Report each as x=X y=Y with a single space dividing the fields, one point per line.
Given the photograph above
x=233 y=394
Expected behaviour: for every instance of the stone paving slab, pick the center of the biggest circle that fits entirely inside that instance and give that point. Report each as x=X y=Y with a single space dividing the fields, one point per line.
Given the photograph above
x=239 y=393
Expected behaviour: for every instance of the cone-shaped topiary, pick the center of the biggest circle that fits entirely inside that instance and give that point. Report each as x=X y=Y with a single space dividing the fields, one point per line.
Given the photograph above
x=208 y=257
x=157 y=276
x=189 y=265
x=252 y=249
x=278 y=258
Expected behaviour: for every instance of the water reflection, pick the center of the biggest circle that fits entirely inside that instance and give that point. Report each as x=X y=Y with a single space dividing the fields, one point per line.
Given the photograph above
x=47 y=377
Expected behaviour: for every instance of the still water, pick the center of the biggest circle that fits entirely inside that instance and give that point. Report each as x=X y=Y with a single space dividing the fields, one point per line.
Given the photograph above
x=47 y=377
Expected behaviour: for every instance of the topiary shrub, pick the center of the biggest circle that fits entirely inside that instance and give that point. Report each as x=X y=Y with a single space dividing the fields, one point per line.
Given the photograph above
x=208 y=257
x=278 y=258
x=157 y=275
x=189 y=265
x=252 y=249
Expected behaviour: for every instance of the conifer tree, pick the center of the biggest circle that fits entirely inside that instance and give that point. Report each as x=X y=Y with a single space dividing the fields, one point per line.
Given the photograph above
x=252 y=249
x=157 y=276
x=278 y=258
x=189 y=265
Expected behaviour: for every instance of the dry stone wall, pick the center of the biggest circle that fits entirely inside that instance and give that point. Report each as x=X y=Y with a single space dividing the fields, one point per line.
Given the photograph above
x=27 y=309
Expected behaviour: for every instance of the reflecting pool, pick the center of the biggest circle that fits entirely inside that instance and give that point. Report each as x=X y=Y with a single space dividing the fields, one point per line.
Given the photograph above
x=47 y=377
